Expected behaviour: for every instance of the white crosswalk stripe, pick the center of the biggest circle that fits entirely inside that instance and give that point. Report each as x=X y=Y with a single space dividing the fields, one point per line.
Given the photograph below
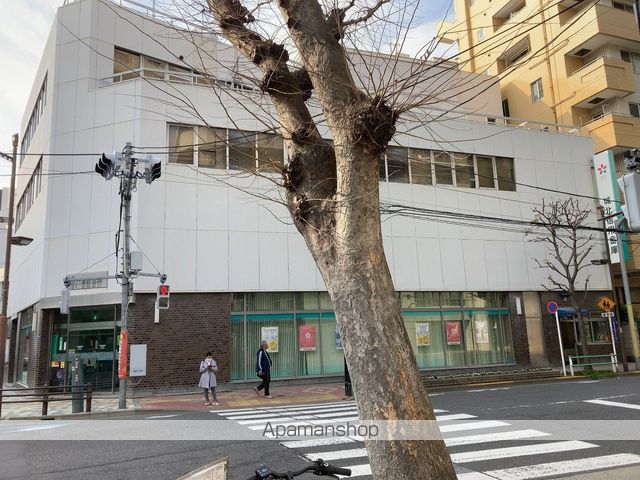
x=458 y=429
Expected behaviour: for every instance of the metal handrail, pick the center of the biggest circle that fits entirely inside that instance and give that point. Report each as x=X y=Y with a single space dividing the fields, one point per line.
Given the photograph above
x=611 y=356
x=47 y=392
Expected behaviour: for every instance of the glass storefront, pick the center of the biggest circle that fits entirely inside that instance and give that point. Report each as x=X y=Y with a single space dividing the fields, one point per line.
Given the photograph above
x=446 y=329
x=92 y=335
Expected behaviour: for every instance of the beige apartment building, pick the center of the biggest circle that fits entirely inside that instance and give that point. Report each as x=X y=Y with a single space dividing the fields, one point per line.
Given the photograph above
x=572 y=66
x=566 y=62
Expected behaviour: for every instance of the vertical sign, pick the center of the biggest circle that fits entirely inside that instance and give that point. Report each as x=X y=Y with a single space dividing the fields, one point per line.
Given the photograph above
x=124 y=343
x=454 y=333
x=307 y=338
x=423 y=339
x=138 y=363
x=609 y=199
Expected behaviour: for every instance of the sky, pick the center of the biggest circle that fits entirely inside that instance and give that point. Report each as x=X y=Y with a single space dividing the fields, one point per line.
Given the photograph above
x=24 y=36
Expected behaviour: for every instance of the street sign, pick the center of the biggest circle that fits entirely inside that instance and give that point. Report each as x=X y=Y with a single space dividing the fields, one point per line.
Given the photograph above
x=606 y=304
x=552 y=307
x=607 y=314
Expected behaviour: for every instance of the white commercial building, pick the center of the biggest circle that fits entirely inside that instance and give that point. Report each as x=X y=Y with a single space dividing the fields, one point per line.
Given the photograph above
x=470 y=290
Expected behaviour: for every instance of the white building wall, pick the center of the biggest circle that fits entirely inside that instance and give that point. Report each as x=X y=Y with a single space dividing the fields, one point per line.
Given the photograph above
x=207 y=230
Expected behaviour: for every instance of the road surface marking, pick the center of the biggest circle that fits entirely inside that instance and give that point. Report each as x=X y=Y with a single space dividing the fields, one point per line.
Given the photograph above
x=488 y=389
x=493 y=437
x=614 y=404
x=163 y=416
x=321 y=442
x=263 y=413
x=358 y=470
x=524 y=450
x=458 y=416
x=38 y=427
x=564 y=467
x=472 y=426
x=307 y=405
x=474 y=476
x=338 y=454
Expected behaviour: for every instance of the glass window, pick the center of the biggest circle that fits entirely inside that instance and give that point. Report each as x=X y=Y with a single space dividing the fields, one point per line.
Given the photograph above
x=309 y=356
x=480 y=34
x=420 y=161
x=123 y=63
x=454 y=338
x=325 y=301
x=450 y=299
x=398 y=164
x=382 y=168
x=269 y=302
x=442 y=161
x=427 y=339
x=600 y=331
x=482 y=335
x=307 y=301
x=506 y=174
x=420 y=299
x=241 y=154
x=179 y=74
x=485 y=172
x=240 y=352
x=154 y=68
x=634 y=109
x=237 y=302
x=465 y=176
x=282 y=329
x=485 y=299
x=625 y=56
x=181 y=144
x=212 y=147
x=331 y=342
x=536 y=91
x=270 y=152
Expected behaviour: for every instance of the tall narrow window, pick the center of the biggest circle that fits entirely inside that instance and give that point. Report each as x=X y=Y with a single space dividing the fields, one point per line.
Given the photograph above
x=241 y=150
x=634 y=109
x=181 y=144
x=420 y=161
x=382 y=168
x=506 y=174
x=270 y=152
x=465 y=176
x=536 y=91
x=442 y=162
x=485 y=172
x=398 y=164
x=481 y=34
x=505 y=107
x=123 y=63
x=212 y=147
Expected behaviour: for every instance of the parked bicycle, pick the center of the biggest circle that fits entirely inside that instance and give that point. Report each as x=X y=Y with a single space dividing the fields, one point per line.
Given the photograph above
x=319 y=467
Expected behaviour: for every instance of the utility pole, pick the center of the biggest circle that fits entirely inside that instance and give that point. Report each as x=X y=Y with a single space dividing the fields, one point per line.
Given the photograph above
x=129 y=175
x=7 y=262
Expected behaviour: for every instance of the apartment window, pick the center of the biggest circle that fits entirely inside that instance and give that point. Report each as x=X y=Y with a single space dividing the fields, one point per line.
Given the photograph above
x=505 y=107
x=29 y=195
x=480 y=34
x=536 y=91
x=241 y=150
x=486 y=177
x=505 y=174
x=179 y=74
x=442 y=162
x=627 y=7
x=34 y=119
x=465 y=176
x=420 y=161
x=632 y=58
x=517 y=53
x=123 y=63
x=212 y=147
x=270 y=152
x=398 y=164
x=634 y=109
x=181 y=144
x=154 y=68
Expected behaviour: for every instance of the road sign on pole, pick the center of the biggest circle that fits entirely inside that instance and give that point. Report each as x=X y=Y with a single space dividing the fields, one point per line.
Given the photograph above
x=552 y=307
x=606 y=304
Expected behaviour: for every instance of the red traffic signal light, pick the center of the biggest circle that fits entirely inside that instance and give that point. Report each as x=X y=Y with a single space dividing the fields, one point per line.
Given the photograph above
x=162 y=299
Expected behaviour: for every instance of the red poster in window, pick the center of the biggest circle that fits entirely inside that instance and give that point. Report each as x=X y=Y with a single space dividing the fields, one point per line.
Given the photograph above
x=454 y=333
x=307 y=338
x=124 y=344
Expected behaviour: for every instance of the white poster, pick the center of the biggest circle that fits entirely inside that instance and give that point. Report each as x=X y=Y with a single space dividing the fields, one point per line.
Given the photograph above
x=481 y=330
x=270 y=335
x=423 y=339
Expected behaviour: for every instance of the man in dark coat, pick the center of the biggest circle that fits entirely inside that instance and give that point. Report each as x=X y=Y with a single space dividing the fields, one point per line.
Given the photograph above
x=263 y=369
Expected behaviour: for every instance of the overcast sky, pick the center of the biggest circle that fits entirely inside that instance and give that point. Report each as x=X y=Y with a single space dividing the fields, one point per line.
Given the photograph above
x=24 y=33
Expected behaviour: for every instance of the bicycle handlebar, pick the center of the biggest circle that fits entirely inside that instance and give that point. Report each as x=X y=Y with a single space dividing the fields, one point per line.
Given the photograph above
x=319 y=467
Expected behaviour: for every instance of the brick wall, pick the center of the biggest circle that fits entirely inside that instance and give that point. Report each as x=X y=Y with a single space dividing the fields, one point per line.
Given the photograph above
x=39 y=355
x=194 y=324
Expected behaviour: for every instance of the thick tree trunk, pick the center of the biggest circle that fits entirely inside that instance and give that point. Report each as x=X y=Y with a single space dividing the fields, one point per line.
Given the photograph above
x=386 y=378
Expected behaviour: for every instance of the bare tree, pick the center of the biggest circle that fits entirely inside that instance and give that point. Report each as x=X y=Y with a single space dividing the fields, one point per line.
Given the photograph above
x=558 y=225
x=332 y=195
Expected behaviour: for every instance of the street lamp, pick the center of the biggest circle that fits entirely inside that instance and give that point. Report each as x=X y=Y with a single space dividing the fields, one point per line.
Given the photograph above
x=7 y=259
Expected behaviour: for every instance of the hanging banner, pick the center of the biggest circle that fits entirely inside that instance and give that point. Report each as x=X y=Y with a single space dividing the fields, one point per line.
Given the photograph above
x=608 y=197
x=481 y=330
x=338 y=339
x=124 y=343
x=307 y=338
x=423 y=339
x=454 y=333
x=270 y=335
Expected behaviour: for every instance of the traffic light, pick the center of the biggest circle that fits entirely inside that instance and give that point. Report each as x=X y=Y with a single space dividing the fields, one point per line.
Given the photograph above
x=64 y=301
x=153 y=173
x=630 y=185
x=106 y=165
x=162 y=299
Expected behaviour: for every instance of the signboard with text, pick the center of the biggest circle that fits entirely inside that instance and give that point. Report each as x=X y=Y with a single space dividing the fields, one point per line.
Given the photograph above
x=307 y=338
x=608 y=197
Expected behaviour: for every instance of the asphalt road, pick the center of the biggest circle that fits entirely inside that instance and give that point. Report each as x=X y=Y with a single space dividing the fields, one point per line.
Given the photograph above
x=590 y=413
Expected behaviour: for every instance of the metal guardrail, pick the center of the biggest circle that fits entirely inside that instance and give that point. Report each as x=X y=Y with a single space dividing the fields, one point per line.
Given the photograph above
x=47 y=394
x=613 y=362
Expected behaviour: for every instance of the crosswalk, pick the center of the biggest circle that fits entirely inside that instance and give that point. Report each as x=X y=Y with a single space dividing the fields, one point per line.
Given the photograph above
x=473 y=443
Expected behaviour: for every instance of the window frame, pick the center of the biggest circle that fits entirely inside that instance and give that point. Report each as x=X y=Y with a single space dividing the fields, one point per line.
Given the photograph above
x=637 y=109
x=537 y=90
